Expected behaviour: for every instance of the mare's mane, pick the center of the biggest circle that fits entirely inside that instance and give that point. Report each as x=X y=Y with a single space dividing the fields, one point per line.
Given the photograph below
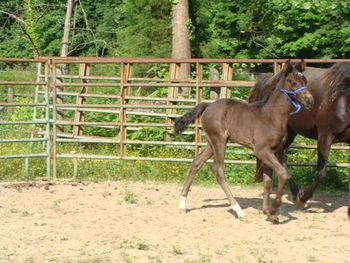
x=337 y=80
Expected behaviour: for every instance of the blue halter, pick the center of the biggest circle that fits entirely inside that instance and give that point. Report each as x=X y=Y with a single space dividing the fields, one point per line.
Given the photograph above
x=290 y=94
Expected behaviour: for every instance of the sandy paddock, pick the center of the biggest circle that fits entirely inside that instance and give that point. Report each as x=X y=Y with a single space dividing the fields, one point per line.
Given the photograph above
x=140 y=222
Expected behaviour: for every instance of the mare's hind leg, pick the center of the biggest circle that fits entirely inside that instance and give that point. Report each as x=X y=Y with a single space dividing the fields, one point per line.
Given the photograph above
x=218 y=147
x=197 y=163
x=323 y=147
x=271 y=160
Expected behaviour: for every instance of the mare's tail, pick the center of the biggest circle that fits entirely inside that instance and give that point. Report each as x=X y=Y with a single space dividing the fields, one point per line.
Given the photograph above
x=182 y=122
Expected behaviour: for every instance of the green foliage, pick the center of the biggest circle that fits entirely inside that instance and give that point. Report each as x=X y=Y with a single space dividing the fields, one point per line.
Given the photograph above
x=264 y=29
x=130 y=197
x=32 y=28
x=222 y=29
x=144 y=28
x=22 y=113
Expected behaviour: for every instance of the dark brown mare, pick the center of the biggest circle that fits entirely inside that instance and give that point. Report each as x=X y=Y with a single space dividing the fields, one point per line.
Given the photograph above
x=328 y=121
x=261 y=127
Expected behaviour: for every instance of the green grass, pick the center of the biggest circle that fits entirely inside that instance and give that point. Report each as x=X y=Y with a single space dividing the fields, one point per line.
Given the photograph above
x=130 y=197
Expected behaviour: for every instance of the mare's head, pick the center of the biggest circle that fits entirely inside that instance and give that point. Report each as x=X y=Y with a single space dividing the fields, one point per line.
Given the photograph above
x=292 y=83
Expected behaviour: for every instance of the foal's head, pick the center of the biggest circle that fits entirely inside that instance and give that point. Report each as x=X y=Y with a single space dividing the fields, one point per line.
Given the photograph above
x=293 y=84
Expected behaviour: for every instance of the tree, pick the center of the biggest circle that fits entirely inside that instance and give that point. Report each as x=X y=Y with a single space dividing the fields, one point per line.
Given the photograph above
x=143 y=28
x=181 y=46
x=139 y=28
x=67 y=27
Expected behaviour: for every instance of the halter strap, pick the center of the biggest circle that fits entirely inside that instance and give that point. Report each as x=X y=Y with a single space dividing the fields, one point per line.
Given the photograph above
x=290 y=94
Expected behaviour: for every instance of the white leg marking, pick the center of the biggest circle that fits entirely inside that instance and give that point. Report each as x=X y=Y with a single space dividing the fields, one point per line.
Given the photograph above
x=182 y=205
x=238 y=210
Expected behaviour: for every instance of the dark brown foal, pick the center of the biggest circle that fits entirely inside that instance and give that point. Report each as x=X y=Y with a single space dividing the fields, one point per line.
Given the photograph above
x=258 y=126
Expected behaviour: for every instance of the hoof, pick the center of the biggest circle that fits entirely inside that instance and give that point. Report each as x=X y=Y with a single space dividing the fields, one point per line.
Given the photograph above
x=237 y=210
x=243 y=219
x=300 y=204
x=273 y=219
x=303 y=196
x=240 y=215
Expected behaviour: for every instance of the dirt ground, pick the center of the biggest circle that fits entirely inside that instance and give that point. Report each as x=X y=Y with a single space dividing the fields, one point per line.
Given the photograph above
x=140 y=222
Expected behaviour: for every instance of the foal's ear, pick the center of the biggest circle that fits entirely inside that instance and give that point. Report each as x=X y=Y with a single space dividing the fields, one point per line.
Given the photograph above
x=300 y=66
x=288 y=67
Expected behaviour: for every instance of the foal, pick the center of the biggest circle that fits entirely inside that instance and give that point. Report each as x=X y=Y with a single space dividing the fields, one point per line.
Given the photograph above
x=259 y=126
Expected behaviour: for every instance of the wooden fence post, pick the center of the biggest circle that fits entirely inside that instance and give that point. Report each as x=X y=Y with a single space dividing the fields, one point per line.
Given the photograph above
x=227 y=73
x=199 y=97
x=125 y=73
x=84 y=70
x=172 y=91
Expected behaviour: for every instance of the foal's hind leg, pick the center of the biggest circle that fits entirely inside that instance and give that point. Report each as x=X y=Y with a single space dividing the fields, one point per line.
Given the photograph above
x=218 y=169
x=197 y=163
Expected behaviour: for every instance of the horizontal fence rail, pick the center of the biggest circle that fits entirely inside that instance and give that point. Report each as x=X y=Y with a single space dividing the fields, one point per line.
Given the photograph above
x=73 y=97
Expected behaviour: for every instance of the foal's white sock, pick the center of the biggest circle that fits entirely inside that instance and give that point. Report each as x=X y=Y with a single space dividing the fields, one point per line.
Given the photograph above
x=238 y=210
x=182 y=205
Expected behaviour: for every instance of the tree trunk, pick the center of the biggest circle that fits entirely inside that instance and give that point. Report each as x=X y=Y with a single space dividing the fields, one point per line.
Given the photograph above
x=65 y=41
x=181 y=46
x=62 y=69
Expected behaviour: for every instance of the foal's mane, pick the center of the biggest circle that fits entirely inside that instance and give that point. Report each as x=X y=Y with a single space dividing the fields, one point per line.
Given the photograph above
x=337 y=79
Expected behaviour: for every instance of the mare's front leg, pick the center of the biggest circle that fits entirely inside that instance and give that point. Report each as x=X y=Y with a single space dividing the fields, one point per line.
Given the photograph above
x=282 y=156
x=197 y=163
x=323 y=147
x=269 y=158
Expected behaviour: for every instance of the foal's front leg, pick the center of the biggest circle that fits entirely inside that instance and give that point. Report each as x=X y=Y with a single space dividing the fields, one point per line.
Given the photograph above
x=269 y=158
x=218 y=147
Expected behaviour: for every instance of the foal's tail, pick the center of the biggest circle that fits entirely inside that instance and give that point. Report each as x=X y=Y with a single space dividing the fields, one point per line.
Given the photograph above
x=182 y=122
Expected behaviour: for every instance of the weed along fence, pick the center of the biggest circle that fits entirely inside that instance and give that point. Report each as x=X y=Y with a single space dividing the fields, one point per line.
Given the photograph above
x=56 y=113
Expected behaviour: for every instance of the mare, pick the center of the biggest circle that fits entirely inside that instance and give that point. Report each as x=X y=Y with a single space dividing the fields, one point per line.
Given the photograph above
x=328 y=121
x=260 y=126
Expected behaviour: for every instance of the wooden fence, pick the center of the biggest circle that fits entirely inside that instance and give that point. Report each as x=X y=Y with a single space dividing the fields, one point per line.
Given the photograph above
x=76 y=102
